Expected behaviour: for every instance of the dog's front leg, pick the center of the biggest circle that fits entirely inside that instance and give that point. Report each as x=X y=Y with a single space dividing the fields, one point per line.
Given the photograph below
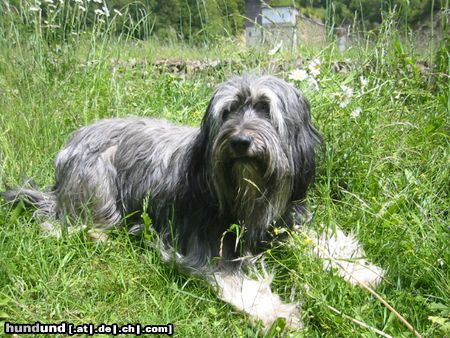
x=344 y=253
x=338 y=250
x=254 y=297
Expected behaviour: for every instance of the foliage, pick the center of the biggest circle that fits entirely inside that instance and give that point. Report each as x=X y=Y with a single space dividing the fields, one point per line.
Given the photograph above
x=170 y=19
x=200 y=20
x=369 y=13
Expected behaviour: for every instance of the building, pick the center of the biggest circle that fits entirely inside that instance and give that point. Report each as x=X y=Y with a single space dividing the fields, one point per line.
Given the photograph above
x=274 y=24
x=253 y=24
x=282 y=15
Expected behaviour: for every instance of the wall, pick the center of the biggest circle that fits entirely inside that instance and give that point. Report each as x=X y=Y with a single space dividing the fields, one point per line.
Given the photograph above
x=279 y=15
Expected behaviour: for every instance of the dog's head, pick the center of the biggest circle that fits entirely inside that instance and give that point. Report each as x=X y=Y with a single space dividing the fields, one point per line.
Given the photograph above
x=260 y=143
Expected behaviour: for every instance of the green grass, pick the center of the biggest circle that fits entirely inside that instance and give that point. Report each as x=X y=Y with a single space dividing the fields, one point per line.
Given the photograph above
x=383 y=174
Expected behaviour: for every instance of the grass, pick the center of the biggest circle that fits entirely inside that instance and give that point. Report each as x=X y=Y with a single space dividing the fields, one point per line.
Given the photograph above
x=383 y=174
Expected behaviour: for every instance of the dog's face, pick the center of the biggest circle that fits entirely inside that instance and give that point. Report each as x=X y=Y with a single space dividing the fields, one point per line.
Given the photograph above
x=260 y=145
x=247 y=140
x=248 y=153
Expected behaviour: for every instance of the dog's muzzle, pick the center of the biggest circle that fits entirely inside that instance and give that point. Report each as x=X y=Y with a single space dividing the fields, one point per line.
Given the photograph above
x=240 y=144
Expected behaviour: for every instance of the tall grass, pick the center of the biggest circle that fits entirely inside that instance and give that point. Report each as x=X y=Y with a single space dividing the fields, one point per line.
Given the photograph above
x=383 y=174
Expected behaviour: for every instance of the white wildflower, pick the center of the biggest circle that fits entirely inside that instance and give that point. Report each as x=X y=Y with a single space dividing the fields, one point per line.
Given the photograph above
x=117 y=12
x=35 y=9
x=346 y=96
x=98 y=12
x=48 y=1
x=363 y=81
x=313 y=84
x=79 y=1
x=82 y=8
x=298 y=75
x=98 y=1
x=347 y=91
x=105 y=10
x=314 y=67
x=355 y=113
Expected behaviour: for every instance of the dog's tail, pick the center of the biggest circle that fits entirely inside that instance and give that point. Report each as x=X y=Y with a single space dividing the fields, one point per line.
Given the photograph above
x=43 y=201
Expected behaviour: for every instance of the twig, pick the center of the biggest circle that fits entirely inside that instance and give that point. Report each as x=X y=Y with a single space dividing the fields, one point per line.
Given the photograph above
x=360 y=323
x=385 y=303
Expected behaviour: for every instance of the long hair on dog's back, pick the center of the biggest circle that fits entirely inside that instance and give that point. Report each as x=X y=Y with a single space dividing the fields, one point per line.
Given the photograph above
x=250 y=163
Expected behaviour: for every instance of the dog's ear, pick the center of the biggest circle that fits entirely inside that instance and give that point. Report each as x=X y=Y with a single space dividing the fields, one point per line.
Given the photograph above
x=206 y=125
x=196 y=173
x=200 y=150
x=305 y=138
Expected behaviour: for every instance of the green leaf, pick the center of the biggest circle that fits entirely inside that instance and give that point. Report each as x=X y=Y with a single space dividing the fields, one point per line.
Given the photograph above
x=276 y=328
x=17 y=211
x=442 y=309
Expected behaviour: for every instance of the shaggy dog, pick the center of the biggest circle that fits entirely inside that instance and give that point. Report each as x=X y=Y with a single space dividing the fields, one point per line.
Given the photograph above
x=213 y=193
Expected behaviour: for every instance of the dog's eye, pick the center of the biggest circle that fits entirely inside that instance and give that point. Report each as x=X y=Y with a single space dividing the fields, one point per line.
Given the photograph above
x=262 y=107
x=225 y=114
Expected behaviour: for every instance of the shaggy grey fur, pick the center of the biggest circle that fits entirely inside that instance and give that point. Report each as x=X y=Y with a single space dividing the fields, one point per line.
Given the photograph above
x=250 y=163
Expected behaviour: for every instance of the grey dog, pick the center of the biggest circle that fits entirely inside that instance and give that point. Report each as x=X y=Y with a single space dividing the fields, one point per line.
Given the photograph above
x=250 y=163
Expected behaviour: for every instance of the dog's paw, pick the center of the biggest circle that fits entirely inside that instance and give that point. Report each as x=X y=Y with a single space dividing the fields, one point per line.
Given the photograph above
x=345 y=254
x=359 y=272
x=56 y=229
x=97 y=235
x=291 y=313
x=256 y=298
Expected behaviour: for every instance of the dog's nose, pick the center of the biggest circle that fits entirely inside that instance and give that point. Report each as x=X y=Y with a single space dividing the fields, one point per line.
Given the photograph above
x=240 y=143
